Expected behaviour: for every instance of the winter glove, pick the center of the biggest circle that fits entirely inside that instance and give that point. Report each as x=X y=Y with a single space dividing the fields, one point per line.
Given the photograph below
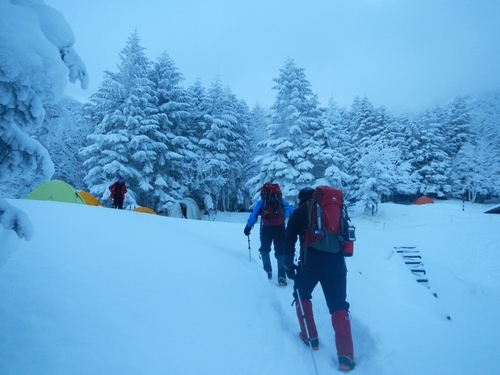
x=289 y=267
x=247 y=230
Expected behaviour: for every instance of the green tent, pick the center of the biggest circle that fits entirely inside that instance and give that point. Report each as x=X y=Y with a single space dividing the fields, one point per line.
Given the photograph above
x=56 y=190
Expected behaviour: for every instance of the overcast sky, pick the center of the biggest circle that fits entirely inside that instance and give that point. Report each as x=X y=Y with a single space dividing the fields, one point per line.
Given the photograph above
x=403 y=54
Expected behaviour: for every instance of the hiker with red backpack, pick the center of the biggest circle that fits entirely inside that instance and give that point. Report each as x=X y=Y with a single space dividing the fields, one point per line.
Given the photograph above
x=117 y=193
x=273 y=210
x=324 y=242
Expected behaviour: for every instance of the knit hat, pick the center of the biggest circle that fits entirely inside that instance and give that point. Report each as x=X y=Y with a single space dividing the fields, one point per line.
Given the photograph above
x=305 y=194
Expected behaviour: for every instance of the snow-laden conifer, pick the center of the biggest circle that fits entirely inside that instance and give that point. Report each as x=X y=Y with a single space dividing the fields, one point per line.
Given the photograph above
x=327 y=149
x=128 y=140
x=434 y=165
x=172 y=104
x=294 y=116
x=457 y=125
x=63 y=134
x=33 y=73
x=223 y=143
x=375 y=164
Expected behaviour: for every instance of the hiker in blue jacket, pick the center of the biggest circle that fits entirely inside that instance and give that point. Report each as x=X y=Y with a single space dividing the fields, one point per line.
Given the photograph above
x=273 y=210
x=316 y=266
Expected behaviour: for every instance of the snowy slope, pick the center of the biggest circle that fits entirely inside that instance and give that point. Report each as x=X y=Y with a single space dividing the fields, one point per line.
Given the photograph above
x=101 y=291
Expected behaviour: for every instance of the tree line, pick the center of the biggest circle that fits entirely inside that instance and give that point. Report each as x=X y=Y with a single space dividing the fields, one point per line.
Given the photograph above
x=169 y=142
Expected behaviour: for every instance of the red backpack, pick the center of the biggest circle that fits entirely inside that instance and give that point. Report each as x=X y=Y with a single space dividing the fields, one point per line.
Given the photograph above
x=271 y=209
x=329 y=224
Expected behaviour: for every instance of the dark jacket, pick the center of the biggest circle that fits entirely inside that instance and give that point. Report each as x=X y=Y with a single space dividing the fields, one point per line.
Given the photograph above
x=297 y=227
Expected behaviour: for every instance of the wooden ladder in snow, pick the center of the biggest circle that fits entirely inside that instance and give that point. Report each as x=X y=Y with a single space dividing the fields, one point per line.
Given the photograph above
x=413 y=259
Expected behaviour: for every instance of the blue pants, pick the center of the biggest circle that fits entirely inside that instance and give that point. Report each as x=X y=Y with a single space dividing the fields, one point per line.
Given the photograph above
x=329 y=270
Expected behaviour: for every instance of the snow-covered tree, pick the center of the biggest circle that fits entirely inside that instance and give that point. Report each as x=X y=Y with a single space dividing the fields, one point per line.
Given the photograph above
x=63 y=134
x=295 y=114
x=194 y=130
x=36 y=45
x=37 y=51
x=327 y=149
x=470 y=173
x=173 y=105
x=368 y=130
x=457 y=125
x=224 y=143
x=376 y=176
x=128 y=140
x=405 y=137
x=435 y=165
x=257 y=126
x=479 y=158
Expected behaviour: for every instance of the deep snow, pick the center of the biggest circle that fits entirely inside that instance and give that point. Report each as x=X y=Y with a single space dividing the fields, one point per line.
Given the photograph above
x=101 y=291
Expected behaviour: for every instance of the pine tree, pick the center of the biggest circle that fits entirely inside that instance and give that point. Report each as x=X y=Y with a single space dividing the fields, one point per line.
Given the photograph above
x=434 y=166
x=295 y=115
x=193 y=131
x=63 y=134
x=470 y=173
x=34 y=69
x=476 y=169
x=376 y=176
x=224 y=143
x=405 y=138
x=172 y=104
x=127 y=140
x=327 y=149
x=258 y=121
x=375 y=164
x=457 y=125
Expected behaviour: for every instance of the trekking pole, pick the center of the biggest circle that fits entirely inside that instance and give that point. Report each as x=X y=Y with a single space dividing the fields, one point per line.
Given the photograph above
x=249 y=255
x=307 y=330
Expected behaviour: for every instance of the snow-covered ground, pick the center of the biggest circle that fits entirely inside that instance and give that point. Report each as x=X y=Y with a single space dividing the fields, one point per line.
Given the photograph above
x=101 y=291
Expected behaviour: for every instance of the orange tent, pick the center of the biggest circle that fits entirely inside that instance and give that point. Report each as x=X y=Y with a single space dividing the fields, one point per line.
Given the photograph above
x=145 y=210
x=89 y=198
x=424 y=200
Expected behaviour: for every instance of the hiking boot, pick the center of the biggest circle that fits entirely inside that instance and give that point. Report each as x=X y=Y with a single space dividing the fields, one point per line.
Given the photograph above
x=282 y=281
x=269 y=275
x=314 y=342
x=346 y=364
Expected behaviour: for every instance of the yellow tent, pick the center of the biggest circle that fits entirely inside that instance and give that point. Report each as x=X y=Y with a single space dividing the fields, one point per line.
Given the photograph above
x=144 y=210
x=89 y=198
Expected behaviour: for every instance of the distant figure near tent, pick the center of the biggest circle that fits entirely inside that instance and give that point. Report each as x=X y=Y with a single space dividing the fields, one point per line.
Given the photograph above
x=186 y=208
x=118 y=191
x=57 y=191
x=424 y=200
